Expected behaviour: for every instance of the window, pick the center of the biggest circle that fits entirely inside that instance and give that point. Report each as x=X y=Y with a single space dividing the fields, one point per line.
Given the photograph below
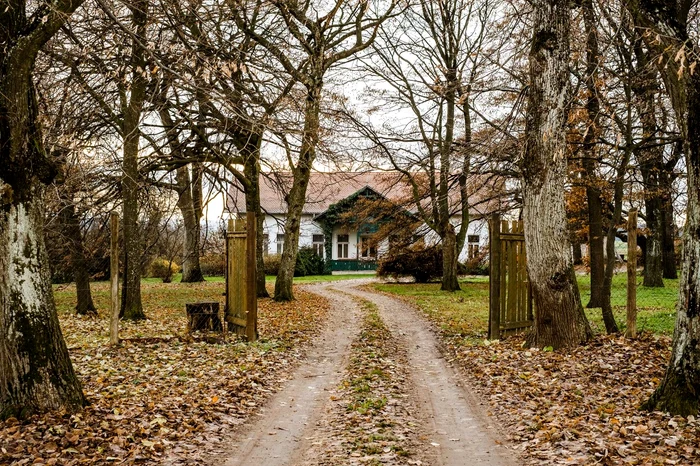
x=318 y=245
x=473 y=246
x=343 y=246
x=368 y=249
x=280 y=243
x=266 y=244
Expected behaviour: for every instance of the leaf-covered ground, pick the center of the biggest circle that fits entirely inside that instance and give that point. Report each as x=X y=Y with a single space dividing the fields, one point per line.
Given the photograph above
x=161 y=397
x=579 y=407
x=369 y=420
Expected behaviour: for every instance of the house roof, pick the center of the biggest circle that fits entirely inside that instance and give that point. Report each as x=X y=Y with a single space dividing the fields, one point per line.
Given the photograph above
x=327 y=188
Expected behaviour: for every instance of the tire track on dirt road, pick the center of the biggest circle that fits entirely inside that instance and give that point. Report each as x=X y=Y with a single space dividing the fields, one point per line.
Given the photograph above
x=458 y=428
x=279 y=436
x=457 y=431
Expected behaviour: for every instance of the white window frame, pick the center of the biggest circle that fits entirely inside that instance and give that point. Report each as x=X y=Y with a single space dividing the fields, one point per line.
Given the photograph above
x=318 y=245
x=280 y=243
x=366 y=250
x=343 y=247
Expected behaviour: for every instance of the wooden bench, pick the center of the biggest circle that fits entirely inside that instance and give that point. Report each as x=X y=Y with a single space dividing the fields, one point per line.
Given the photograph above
x=203 y=315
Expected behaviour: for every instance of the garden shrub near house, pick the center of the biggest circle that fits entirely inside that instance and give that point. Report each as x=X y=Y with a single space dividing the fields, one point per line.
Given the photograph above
x=163 y=269
x=417 y=261
x=478 y=265
x=308 y=263
x=213 y=265
x=271 y=264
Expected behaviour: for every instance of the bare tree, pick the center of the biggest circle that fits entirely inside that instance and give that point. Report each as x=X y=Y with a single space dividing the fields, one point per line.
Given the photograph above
x=36 y=373
x=316 y=38
x=432 y=59
x=665 y=29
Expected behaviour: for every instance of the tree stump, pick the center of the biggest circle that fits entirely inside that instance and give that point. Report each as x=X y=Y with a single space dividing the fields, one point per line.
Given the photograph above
x=203 y=316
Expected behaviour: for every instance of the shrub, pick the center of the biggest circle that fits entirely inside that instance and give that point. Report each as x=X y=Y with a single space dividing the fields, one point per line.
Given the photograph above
x=308 y=263
x=418 y=261
x=478 y=265
x=163 y=269
x=272 y=264
x=213 y=265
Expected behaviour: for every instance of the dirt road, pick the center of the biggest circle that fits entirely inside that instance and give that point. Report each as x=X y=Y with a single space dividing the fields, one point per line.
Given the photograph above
x=453 y=430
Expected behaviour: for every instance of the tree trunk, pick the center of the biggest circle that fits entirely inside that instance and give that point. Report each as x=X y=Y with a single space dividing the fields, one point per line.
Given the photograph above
x=653 y=257
x=189 y=203
x=251 y=169
x=650 y=162
x=606 y=304
x=36 y=373
x=559 y=318
x=131 y=306
x=595 y=236
x=593 y=194
x=74 y=234
x=297 y=195
x=678 y=393
x=578 y=256
x=449 y=260
x=668 y=232
x=35 y=369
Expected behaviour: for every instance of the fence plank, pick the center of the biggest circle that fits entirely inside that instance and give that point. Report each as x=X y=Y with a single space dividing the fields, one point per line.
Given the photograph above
x=114 y=278
x=494 y=277
x=510 y=303
x=251 y=282
x=235 y=276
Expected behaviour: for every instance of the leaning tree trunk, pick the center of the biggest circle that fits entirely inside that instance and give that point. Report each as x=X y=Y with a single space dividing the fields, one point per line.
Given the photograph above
x=71 y=223
x=297 y=195
x=559 y=317
x=449 y=260
x=190 y=190
x=36 y=373
x=678 y=392
x=131 y=306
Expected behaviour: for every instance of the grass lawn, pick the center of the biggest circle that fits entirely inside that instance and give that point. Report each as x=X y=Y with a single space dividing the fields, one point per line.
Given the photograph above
x=174 y=295
x=465 y=313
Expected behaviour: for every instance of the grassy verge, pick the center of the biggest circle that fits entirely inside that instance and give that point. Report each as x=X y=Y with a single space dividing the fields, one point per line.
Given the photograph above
x=465 y=313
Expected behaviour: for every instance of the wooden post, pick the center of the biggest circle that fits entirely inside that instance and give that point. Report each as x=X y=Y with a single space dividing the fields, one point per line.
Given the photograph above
x=114 y=279
x=632 y=274
x=495 y=278
x=251 y=282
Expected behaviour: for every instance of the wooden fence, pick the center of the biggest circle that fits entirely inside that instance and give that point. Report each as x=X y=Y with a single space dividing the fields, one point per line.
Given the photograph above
x=510 y=300
x=241 y=312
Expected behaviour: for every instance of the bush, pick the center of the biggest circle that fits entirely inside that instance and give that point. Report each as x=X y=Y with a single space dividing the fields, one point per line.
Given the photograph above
x=272 y=264
x=213 y=265
x=478 y=265
x=308 y=263
x=163 y=269
x=418 y=261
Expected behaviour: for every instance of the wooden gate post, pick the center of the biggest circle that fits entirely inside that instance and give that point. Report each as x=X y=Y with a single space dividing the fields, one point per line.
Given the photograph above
x=251 y=278
x=241 y=311
x=114 y=278
x=495 y=278
x=631 y=331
